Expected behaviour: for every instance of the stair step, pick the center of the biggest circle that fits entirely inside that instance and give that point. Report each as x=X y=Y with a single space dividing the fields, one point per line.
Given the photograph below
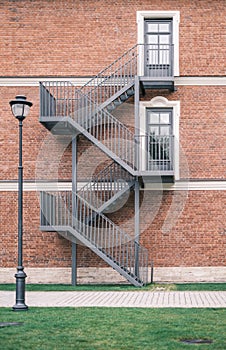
x=124 y=97
x=130 y=92
x=117 y=102
x=110 y=107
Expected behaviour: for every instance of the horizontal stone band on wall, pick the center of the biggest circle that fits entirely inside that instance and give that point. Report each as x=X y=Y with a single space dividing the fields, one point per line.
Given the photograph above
x=6 y=186
x=80 y=81
x=107 y=275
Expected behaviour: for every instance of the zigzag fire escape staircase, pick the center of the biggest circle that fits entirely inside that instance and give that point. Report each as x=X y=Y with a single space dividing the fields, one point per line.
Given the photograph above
x=64 y=109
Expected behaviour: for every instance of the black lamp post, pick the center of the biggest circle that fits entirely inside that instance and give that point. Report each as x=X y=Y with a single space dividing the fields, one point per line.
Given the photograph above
x=20 y=108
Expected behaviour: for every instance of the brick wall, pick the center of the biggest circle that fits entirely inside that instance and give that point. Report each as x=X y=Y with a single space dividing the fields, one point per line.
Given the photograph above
x=201 y=129
x=69 y=38
x=39 y=146
x=179 y=228
x=40 y=249
x=49 y=157
x=79 y=38
x=194 y=237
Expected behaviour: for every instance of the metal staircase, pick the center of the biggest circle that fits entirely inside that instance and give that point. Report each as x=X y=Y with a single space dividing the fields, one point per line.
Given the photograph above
x=107 y=189
x=64 y=109
x=86 y=110
x=67 y=213
x=115 y=84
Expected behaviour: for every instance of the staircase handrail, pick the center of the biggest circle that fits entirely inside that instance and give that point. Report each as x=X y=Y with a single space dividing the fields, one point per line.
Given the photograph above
x=105 y=112
x=47 y=84
x=109 y=66
x=111 y=81
x=63 y=99
x=68 y=219
x=67 y=209
x=105 y=185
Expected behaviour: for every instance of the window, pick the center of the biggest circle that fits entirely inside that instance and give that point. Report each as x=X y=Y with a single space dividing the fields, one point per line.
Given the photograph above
x=158 y=54
x=158 y=36
x=159 y=136
x=160 y=139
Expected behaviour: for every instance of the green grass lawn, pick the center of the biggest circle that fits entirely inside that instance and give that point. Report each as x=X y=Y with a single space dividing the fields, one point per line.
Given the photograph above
x=119 y=287
x=201 y=286
x=112 y=328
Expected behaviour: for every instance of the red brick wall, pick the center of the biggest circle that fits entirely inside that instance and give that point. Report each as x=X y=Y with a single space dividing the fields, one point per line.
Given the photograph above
x=195 y=237
x=189 y=234
x=40 y=249
x=45 y=156
x=201 y=129
x=69 y=38
x=79 y=38
x=39 y=146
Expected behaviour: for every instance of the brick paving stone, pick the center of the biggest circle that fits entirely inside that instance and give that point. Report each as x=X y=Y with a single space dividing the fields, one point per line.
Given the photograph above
x=155 y=299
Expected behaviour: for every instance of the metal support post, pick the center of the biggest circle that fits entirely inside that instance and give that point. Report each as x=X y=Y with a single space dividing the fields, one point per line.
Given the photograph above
x=137 y=225
x=74 y=265
x=74 y=190
x=137 y=192
x=137 y=120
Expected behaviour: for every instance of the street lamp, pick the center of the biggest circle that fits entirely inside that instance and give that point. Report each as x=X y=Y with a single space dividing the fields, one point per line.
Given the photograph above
x=20 y=108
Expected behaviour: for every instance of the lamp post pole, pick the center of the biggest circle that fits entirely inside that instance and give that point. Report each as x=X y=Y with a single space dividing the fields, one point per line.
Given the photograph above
x=20 y=108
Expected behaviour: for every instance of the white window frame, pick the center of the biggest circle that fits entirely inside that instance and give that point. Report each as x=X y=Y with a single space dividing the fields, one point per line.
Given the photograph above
x=141 y=17
x=161 y=102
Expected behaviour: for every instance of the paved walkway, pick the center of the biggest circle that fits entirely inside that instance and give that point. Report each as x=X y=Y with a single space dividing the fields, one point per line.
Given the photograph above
x=146 y=299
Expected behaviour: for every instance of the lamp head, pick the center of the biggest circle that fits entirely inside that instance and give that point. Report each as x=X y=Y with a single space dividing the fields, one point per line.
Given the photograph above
x=20 y=107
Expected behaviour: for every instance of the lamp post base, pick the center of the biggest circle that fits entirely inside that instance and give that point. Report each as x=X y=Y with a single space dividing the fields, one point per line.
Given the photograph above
x=20 y=290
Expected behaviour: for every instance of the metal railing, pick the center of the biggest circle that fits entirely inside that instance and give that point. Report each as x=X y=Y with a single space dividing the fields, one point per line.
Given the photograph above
x=86 y=106
x=86 y=109
x=156 y=152
x=113 y=78
x=157 y=60
x=150 y=60
x=63 y=99
x=68 y=211
x=106 y=185
x=57 y=98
